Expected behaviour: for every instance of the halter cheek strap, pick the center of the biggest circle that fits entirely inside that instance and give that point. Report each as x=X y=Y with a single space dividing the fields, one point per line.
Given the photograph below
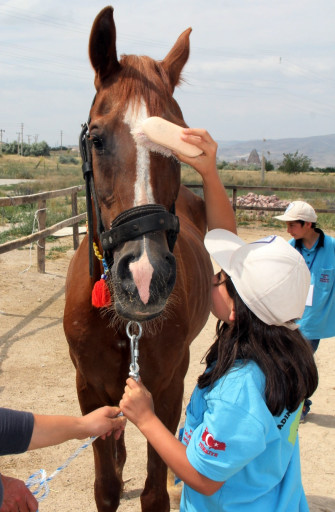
x=129 y=224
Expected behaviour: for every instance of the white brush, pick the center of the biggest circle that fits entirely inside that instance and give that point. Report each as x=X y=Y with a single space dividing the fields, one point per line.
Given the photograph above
x=161 y=136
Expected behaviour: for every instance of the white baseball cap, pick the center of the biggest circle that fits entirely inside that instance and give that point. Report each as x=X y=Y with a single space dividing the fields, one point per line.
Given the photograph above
x=298 y=210
x=270 y=276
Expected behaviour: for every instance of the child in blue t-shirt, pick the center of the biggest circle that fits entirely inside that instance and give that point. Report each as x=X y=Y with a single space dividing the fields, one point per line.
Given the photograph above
x=240 y=449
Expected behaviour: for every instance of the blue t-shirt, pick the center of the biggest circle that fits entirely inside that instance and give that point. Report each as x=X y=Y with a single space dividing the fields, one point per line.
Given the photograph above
x=318 y=320
x=232 y=437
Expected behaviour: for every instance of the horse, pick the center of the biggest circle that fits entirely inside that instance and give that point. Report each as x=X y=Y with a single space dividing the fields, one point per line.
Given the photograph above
x=147 y=230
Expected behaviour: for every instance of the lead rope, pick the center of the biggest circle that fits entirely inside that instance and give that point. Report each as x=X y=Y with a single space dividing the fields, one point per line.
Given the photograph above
x=38 y=482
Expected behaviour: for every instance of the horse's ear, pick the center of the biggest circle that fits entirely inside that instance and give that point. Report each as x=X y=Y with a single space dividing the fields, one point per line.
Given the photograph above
x=102 y=45
x=177 y=57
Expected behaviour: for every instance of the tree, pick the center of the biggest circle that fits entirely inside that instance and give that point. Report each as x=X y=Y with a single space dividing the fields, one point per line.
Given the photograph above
x=36 y=149
x=269 y=166
x=294 y=163
x=40 y=149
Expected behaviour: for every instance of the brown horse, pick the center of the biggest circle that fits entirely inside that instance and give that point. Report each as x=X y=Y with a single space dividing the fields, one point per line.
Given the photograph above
x=137 y=201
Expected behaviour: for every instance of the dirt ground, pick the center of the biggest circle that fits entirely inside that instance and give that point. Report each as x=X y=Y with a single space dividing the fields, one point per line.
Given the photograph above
x=36 y=374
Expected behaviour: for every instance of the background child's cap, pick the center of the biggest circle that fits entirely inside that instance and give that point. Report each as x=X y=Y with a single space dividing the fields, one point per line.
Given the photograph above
x=270 y=276
x=298 y=210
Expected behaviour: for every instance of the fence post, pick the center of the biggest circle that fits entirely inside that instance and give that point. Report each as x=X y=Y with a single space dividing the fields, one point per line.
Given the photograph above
x=74 y=199
x=41 y=217
x=234 y=198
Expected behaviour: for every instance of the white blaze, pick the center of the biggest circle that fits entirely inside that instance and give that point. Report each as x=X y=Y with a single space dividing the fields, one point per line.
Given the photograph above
x=141 y=269
x=143 y=193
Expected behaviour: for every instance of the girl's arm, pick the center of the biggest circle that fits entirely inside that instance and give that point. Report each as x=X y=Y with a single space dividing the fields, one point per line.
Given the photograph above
x=219 y=211
x=51 y=430
x=137 y=405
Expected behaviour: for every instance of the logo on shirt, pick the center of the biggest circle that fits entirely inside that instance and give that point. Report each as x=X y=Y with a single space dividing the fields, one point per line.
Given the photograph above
x=324 y=278
x=212 y=443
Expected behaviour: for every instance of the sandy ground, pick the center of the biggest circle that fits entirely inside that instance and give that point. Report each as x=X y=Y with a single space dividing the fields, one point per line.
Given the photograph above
x=36 y=374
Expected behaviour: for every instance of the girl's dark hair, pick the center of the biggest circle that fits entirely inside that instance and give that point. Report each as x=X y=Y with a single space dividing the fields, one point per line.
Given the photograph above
x=283 y=355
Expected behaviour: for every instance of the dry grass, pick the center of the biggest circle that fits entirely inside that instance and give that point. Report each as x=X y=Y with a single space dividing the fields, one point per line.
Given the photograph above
x=47 y=173
x=247 y=179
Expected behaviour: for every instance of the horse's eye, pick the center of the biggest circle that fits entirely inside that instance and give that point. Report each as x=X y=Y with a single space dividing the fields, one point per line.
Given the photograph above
x=97 y=143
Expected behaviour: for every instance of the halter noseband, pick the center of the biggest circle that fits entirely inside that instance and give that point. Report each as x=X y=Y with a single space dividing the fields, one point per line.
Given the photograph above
x=129 y=224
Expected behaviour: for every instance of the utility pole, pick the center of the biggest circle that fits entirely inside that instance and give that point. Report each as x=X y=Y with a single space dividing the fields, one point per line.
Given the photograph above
x=36 y=138
x=21 y=139
x=1 y=132
x=18 y=142
x=263 y=165
x=61 y=141
x=28 y=137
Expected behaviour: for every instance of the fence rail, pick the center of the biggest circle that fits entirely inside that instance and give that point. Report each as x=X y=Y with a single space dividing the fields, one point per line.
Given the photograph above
x=262 y=188
x=74 y=221
x=43 y=232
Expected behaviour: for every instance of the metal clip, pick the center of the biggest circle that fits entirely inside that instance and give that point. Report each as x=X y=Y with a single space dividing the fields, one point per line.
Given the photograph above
x=134 y=368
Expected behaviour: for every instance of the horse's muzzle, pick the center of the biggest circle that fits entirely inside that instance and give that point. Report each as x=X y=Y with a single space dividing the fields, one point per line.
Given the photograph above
x=143 y=275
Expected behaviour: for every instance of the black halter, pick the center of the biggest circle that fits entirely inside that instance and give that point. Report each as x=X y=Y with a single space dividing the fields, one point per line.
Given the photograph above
x=130 y=223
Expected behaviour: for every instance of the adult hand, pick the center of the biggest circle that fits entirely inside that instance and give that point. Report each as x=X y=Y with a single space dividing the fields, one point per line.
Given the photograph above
x=16 y=496
x=103 y=422
x=137 y=403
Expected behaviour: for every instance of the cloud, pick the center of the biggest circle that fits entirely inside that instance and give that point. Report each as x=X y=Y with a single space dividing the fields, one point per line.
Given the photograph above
x=254 y=66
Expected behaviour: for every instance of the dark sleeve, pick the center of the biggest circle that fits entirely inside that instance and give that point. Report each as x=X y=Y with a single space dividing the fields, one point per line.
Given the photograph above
x=16 y=428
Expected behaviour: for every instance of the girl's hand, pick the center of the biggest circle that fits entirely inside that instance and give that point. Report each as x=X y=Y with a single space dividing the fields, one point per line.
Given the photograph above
x=205 y=163
x=137 y=403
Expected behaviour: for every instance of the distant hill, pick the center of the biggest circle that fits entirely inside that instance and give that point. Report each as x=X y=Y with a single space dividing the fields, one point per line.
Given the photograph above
x=321 y=149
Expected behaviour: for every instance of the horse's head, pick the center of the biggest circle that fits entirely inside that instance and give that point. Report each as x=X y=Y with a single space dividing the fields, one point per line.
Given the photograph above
x=135 y=187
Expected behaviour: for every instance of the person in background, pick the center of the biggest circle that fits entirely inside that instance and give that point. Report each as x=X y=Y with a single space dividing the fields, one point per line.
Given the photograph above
x=240 y=449
x=21 y=431
x=318 y=251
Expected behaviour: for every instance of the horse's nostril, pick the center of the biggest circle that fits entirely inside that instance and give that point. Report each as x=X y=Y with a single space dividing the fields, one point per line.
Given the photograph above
x=123 y=270
x=170 y=259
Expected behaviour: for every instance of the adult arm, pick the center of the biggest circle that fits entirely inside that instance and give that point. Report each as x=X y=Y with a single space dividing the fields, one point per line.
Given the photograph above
x=219 y=211
x=51 y=430
x=137 y=405
x=16 y=496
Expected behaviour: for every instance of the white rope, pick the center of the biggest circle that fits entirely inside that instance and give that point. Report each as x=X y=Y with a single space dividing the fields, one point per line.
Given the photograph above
x=31 y=245
x=38 y=482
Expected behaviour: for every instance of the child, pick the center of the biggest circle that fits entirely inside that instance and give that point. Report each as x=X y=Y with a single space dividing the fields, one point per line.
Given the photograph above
x=240 y=450
x=318 y=251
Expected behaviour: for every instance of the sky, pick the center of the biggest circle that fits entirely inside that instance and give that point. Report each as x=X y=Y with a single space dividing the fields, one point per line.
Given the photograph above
x=258 y=69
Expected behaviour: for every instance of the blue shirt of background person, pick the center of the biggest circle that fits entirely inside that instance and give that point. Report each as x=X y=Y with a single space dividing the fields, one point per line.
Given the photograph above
x=318 y=320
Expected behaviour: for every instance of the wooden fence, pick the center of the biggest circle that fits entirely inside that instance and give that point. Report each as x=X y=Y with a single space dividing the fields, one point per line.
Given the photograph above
x=74 y=221
x=267 y=189
x=43 y=232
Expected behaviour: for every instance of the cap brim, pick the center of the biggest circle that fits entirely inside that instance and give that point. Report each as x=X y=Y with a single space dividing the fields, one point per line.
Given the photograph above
x=286 y=217
x=221 y=245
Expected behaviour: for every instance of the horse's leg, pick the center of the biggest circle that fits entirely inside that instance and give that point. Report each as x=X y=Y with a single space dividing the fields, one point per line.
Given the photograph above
x=109 y=456
x=155 y=497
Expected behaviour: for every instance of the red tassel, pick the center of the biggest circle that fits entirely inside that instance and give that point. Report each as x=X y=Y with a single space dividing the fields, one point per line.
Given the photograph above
x=101 y=296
